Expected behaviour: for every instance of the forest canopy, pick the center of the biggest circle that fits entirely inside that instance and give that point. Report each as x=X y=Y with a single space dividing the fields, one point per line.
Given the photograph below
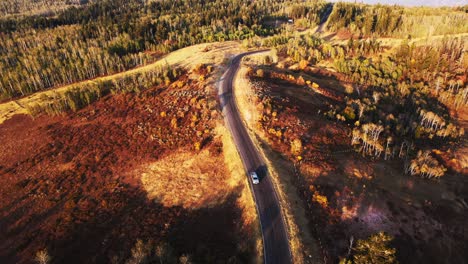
x=85 y=41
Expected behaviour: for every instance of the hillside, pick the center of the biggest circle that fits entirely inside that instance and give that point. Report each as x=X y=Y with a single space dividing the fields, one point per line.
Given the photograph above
x=115 y=147
x=370 y=131
x=87 y=186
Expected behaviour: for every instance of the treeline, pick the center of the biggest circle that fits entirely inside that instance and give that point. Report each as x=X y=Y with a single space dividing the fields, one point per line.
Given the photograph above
x=438 y=69
x=385 y=20
x=310 y=49
x=34 y=62
x=104 y=37
x=425 y=21
x=82 y=95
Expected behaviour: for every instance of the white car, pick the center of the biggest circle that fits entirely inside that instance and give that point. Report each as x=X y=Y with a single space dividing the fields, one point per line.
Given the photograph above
x=254 y=176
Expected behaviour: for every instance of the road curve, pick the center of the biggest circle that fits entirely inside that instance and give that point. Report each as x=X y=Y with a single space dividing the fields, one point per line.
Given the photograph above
x=275 y=239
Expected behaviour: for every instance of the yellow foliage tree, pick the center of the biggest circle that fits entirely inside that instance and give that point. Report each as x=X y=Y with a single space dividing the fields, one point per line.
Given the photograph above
x=375 y=249
x=303 y=64
x=296 y=146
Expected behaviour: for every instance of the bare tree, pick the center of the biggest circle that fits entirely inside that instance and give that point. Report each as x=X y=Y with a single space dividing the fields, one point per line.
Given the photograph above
x=368 y=137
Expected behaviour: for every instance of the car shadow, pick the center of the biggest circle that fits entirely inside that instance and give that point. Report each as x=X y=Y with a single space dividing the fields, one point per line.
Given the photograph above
x=262 y=171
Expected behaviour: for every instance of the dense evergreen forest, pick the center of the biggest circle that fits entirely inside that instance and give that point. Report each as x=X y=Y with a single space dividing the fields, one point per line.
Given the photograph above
x=82 y=42
x=397 y=21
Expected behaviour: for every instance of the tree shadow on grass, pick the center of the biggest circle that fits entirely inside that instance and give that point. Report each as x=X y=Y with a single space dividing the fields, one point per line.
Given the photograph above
x=102 y=234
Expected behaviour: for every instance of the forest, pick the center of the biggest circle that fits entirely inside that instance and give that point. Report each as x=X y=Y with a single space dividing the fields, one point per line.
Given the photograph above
x=104 y=37
x=397 y=21
x=37 y=7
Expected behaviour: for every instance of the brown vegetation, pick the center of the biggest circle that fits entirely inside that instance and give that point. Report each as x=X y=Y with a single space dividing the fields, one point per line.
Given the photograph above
x=69 y=183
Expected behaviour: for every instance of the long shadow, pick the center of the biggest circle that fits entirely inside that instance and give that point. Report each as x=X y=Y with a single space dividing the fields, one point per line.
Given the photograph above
x=94 y=211
x=262 y=171
x=207 y=235
x=322 y=77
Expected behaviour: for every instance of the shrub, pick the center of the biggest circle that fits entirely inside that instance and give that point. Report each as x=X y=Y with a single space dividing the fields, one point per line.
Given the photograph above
x=197 y=146
x=296 y=146
x=303 y=64
x=349 y=114
x=140 y=253
x=260 y=73
x=300 y=81
x=184 y=259
x=375 y=250
x=320 y=199
x=42 y=257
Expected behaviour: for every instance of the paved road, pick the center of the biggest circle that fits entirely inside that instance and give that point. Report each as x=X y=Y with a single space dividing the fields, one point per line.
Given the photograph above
x=275 y=240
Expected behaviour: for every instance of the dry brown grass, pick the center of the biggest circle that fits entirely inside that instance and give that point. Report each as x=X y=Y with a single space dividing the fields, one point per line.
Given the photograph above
x=245 y=98
x=212 y=53
x=187 y=179
x=9 y=109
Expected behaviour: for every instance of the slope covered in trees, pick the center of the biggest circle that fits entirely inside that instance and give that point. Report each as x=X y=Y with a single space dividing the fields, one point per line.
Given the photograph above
x=36 y=7
x=385 y=20
x=398 y=101
x=38 y=52
x=373 y=138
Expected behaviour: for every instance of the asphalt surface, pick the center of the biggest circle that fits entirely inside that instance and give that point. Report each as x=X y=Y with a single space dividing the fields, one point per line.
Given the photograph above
x=275 y=239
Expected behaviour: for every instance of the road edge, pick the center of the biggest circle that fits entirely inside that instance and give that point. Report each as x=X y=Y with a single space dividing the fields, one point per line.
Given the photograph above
x=274 y=180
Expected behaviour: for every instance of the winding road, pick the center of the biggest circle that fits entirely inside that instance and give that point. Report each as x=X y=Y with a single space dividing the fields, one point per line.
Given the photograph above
x=275 y=239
